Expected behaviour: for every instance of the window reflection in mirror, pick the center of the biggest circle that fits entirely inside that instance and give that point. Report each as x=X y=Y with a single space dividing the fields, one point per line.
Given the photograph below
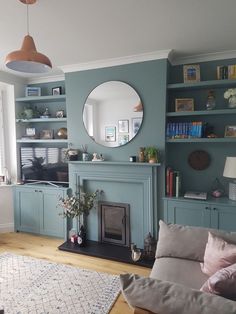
x=113 y=114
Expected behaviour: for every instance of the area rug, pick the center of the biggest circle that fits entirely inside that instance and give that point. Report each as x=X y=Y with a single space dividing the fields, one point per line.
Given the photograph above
x=30 y=285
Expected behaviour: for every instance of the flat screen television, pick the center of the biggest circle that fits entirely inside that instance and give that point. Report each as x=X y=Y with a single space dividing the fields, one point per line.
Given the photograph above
x=43 y=164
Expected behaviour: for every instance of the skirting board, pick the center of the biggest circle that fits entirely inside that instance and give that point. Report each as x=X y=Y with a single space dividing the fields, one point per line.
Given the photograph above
x=7 y=227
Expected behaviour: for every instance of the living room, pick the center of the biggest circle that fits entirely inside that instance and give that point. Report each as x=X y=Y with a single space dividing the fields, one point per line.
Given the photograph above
x=177 y=80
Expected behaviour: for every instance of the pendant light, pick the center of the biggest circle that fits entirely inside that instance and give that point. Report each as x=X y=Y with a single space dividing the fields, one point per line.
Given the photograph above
x=27 y=59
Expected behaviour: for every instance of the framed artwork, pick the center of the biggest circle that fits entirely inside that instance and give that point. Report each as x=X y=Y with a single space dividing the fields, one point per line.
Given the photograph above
x=136 y=123
x=230 y=131
x=32 y=91
x=184 y=104
x=56 y=90
x=46 y=134
x=123 y=126
x=191 y=73
x=30 y=132
x=123 y=139
x=110 y=133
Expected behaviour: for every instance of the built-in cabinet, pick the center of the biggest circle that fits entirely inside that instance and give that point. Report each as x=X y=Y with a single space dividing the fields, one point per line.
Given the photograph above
x=217 y=214
x=37 y=210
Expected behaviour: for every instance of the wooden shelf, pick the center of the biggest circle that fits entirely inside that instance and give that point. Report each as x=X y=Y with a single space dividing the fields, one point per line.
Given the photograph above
x=202 y=85
x=41 y=120
x=201 y=113
x=51 y=98
x=202 y=140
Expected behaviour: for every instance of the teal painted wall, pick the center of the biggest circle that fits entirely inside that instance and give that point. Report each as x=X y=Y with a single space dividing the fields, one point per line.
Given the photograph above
x=149 y=79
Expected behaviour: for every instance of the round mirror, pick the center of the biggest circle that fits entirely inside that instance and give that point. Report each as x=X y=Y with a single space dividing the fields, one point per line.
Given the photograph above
x=113 y=114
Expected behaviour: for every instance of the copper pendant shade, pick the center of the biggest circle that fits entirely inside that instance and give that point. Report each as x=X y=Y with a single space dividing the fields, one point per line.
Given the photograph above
x=27 y=59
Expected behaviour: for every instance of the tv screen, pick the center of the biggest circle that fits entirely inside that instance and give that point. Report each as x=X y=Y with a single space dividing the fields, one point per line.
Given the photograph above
x=44 y=164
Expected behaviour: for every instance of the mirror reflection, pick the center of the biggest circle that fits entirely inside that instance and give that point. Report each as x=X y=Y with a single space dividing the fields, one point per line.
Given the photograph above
x=113 y=114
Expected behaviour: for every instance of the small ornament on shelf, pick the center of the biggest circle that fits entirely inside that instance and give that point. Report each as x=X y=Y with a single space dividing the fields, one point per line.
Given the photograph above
x=211 y=101
x=217 y=188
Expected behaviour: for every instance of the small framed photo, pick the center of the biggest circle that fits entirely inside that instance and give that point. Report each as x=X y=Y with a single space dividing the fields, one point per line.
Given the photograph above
x=110 y=133
x=184 y=104
x=60 y=114
x=30 y=132
x=56 y=90
x=136 y=124
x=123 y=126
x=32 y=91
x=46 y=134
x=230 y=131
x=123 y=139
x=191 y=73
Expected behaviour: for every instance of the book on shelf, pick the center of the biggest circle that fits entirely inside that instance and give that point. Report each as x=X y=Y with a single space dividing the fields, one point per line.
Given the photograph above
x=173 y=182
x=193 y=129
x=232 y=72
x=222 y=72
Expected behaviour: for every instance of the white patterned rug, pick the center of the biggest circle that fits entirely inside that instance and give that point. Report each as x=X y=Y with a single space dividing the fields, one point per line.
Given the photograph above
x=30 y=285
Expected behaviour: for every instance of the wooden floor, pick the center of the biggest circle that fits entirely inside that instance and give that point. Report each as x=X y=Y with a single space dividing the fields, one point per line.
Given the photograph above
x=46 y=248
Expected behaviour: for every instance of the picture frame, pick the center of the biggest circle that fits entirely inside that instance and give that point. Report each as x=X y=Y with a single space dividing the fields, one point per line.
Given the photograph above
x=230 y=131
x=123 y=139
x=123 y=126
x=110 y=133
x=46 y=134
x=191 y=73
x=56 y=90
x=136 y=124
x=184 y=104
x=32 y=91
x=2 y=179
x=60 y=114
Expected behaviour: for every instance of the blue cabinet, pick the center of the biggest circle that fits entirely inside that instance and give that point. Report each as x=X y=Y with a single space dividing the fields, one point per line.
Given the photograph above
x=213 y=213
x=37 y=211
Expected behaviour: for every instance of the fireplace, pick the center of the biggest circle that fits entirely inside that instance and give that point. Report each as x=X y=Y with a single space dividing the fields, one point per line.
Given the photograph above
x=114 y=223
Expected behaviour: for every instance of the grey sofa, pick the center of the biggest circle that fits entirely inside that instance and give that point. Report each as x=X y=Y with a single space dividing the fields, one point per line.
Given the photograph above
x=176 y=274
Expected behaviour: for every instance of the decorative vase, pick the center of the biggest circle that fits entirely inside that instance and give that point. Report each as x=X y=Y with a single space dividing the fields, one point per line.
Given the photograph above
x=85 y=157
x=232 y=102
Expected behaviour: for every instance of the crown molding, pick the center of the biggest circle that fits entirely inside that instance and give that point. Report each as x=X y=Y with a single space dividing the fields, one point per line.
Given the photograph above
x=162 y=54
x=203 y=57
x=45 y=79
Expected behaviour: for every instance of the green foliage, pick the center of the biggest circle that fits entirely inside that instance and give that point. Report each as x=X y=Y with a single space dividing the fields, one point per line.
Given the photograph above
x=151 y=152
x=79 y=204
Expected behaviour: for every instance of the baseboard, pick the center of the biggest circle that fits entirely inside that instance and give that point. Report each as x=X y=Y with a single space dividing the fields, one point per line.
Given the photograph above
x=8 y=227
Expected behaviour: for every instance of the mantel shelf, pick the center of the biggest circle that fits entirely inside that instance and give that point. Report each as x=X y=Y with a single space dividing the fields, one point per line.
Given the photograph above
x=116 y=163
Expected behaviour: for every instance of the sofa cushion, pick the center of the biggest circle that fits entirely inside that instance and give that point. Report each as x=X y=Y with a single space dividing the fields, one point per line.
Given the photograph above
x=185 y=272
x=186 y=241
x=172 y=298
x=218 y=254
x=223 y=283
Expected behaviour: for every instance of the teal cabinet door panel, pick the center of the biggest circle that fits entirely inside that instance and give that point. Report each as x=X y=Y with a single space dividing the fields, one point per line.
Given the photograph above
x=37 y=211
x=27 y=211
x=187 y=213
x=213 y=214
x=51 y=223
x=226 y=217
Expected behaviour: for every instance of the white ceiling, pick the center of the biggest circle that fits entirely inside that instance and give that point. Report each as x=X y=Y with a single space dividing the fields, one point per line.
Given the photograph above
x=76 y=31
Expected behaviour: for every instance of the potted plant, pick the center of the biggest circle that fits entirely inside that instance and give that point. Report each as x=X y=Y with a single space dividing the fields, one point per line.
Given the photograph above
x=151 y=153
x=76 y=206
x=85 y=154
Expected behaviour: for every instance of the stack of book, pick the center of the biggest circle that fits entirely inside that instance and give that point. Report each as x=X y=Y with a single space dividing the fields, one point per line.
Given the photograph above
x=173 y=182
x=184 y=130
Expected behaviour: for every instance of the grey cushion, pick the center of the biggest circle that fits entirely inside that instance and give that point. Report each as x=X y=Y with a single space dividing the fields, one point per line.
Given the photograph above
x=182 y=271
x=172 y=298
x=186 y=241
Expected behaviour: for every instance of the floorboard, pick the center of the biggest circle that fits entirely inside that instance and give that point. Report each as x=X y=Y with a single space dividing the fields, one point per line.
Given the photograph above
x=46 y=248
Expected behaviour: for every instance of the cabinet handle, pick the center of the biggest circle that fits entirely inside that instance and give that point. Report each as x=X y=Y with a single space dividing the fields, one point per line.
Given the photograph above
x=207 y=208
x=214 y=208
x=35 y=190
x=40 y=191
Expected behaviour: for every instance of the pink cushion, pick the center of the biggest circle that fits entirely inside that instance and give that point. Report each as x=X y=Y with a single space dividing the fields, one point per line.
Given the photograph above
x=218 y=254
x=223 y=283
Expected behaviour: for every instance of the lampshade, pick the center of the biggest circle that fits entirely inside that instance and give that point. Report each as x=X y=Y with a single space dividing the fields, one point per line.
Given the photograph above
x=230 y=167
x=27 y=59
x=138 y=107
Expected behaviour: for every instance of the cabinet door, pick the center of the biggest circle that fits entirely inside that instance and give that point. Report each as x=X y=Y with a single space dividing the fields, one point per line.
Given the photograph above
x=27 y=202
x=189 y=213
x=223 y=217
x=51 y=223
